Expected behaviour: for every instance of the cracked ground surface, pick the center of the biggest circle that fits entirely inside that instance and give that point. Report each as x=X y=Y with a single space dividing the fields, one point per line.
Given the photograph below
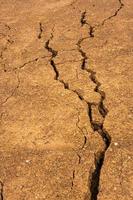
x=65 y=95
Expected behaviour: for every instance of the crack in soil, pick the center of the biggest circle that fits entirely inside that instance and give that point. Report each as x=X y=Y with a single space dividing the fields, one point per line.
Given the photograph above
x=95 y=176
x=54 y=53
x=94 y=179
x=92 y=29
x=40 y=30
x=73 y=177
x=115 y=14
x=98 y=127
x=1 y=191
x=26 y=63
x=83 y=18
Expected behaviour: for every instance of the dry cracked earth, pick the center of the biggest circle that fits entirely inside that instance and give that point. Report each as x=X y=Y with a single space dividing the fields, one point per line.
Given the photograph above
x=65 y=100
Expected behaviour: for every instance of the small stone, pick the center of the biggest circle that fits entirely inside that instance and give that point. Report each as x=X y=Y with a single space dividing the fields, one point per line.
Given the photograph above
x=27 y=161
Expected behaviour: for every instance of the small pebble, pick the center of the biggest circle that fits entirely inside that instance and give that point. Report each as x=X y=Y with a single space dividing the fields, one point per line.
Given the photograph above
x=27 y=161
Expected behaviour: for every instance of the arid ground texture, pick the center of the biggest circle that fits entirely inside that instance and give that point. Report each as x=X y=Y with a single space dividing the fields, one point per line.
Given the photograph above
x=66 y=99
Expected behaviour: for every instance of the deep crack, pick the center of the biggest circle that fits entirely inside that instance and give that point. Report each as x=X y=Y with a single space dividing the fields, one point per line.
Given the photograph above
x=96 y=126
x=54 y=53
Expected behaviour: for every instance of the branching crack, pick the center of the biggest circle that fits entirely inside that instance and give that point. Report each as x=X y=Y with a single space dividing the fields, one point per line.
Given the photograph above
x=96 y=126
x=54 y=53
x=92 y=29
x=83 y=22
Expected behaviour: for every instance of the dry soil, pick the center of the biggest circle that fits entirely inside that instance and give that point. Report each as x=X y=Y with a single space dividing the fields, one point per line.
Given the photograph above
x=66 y=100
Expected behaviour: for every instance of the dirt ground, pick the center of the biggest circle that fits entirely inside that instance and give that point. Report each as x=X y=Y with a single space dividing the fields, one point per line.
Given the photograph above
x=66 y=100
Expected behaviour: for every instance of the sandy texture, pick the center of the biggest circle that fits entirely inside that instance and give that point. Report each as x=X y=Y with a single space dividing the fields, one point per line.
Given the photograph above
x=66 y=100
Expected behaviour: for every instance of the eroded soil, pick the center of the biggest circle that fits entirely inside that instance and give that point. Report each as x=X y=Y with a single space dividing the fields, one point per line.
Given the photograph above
x=66 y=100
